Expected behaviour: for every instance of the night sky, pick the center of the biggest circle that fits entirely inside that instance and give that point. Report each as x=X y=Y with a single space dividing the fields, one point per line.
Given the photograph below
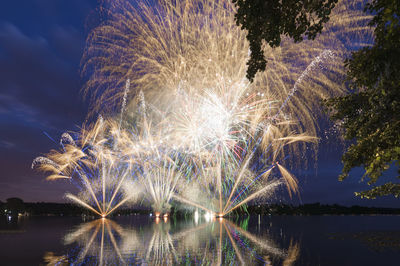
x=41 y=44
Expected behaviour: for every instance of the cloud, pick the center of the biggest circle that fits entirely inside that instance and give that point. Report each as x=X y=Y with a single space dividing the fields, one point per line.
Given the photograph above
x=39 y=91
x=14 y=108
x=6 y=144
x=36 y=81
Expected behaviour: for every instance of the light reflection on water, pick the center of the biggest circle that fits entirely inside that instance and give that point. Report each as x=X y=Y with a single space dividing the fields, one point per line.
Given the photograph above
x=162 y=242
x=306 y=240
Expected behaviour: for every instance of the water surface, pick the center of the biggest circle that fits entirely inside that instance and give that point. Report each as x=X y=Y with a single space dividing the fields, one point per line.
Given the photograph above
x=255 y=240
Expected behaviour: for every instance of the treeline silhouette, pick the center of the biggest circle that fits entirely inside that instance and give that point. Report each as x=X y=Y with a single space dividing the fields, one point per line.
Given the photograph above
x=13 y=206
x=318 y=209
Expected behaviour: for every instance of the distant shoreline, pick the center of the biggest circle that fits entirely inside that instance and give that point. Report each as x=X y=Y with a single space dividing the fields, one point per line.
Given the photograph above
x=69 y=209
x=320 y=209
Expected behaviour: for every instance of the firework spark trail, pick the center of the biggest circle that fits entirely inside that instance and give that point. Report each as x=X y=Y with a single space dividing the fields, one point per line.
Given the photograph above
x=82 y=203
x=124 y=98
x=240 y=176
x=67 y=139
x=268 y=188
x=313 y=66
x=264 y=175
x=116 y=192
x=44 y=161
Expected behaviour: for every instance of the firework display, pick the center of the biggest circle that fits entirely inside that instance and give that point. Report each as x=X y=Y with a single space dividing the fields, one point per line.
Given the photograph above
x=182 y=123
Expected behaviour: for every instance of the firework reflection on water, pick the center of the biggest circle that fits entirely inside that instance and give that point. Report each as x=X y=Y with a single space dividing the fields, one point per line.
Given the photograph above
x=220 y=241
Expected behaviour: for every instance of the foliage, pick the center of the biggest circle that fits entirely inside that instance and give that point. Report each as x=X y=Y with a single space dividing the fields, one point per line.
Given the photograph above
x=383 y=190
x=267 y=20
x=370 y=115
x=15 y=205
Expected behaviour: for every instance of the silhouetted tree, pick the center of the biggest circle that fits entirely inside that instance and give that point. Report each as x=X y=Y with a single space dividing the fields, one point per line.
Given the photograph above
x=267 y=20
x=15 y=206
x=2 y=204
x=370 y=114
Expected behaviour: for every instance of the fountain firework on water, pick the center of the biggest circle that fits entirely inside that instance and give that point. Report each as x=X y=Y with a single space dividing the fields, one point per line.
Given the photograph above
x=191 y=127
x=94 y=165
x=210 y=140
x=223 y=133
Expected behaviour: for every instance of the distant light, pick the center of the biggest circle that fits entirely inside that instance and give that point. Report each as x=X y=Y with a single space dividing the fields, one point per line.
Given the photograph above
x=208 y=216
x=196 y=216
